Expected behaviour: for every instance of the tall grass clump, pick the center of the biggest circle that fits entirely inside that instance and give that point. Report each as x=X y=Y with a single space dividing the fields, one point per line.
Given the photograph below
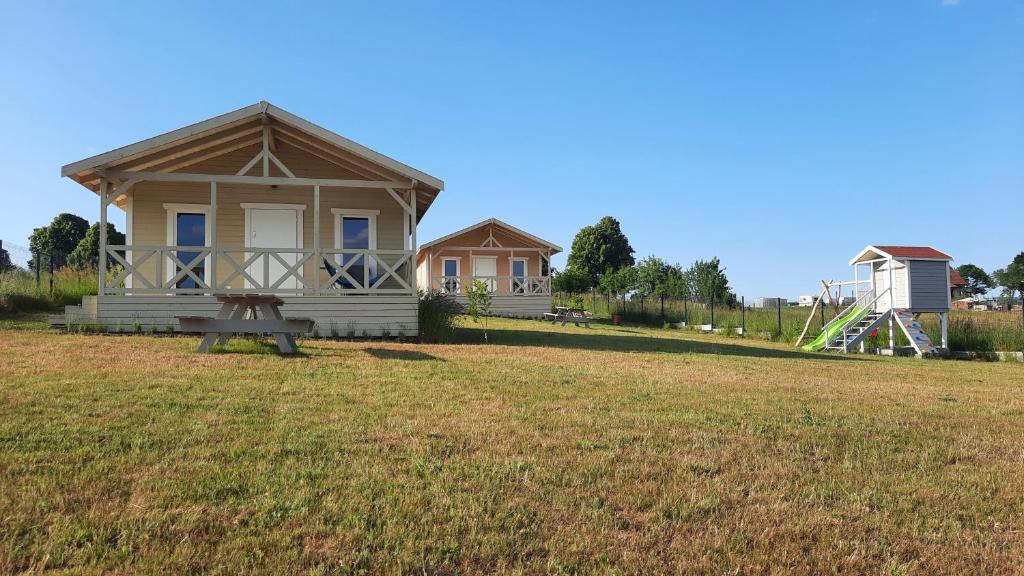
x=18 y=291
x=438 y=316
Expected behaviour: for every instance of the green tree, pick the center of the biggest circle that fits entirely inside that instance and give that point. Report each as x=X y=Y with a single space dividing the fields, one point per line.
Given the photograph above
x=675 y=282
x=478 y=297
x=87 y=253
x=60 y=238
x=571 y=281
x=600 y=248
x=651 y=277
x=706 y=280
x=5 y=261
x=978 y=281
x=1011 y=278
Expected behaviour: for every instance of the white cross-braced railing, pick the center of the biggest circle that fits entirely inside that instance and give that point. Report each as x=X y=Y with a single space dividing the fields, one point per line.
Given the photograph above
x=498 y=285
x=199 y=270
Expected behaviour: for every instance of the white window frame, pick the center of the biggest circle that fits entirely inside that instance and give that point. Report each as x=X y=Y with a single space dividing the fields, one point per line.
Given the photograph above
x=512 y=277
x=458 y=273
x=371 y=216
x=172 y=230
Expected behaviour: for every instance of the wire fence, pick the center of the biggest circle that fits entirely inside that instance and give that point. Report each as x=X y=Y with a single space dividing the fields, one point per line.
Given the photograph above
x=45 y=283
x=971 y=330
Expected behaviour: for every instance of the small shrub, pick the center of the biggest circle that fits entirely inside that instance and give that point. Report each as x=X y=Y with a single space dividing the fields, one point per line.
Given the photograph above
x=479 y=296
x=438 y=316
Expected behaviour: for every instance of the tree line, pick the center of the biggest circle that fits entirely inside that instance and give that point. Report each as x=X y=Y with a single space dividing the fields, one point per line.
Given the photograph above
x=67 y=241
x=602 y=260
x=1010 y=279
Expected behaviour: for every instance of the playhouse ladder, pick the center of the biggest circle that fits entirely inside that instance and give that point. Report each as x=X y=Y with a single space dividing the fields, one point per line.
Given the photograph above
x=852 y=334
x=915 y=333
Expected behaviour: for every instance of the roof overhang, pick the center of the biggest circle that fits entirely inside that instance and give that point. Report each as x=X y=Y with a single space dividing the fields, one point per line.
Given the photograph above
x=555 y=248
x=872 y=253
x=172 y=151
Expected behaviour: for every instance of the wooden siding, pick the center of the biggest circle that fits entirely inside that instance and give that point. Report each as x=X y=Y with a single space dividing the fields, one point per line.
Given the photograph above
x=359 y=315
x=475 y=238
x=929 y=288
x=149 y=217
x=899 y=278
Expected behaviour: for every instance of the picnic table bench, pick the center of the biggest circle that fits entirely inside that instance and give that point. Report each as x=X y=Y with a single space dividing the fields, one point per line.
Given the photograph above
x=565 y=314
x=238 y=315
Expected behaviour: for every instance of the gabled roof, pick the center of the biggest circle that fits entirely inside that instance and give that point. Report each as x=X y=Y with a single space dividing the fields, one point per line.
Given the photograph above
x=555 y=248
x=903 y=252
x=84 y=171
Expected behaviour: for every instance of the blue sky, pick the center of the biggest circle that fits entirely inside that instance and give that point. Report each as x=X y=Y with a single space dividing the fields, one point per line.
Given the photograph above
x=781 y=137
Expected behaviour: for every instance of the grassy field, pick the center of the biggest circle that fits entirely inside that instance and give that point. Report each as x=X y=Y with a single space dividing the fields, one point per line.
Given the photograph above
x=552 y=450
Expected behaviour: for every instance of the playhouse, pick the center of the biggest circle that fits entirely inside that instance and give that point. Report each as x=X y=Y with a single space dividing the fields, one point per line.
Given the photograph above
x=894 y=285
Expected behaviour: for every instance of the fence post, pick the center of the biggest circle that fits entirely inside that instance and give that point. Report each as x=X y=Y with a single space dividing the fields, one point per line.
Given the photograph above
x=778 y=308
x=51 y=271
x=35 y=261
x=743 y=315
x=712 y=311
x=662 y=307
x=686 y=312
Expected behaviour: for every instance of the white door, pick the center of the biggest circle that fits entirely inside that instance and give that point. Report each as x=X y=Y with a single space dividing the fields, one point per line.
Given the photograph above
x=273 y=228
x=486 y=268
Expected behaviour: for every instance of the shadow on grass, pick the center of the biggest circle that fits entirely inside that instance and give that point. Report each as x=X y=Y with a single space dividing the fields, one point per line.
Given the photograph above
x=411 y=355
x=601 y=340
x=257 y=347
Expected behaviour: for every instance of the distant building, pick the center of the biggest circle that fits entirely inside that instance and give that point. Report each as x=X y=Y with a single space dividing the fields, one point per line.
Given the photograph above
x=807 y=300
x=769 y=302
x=957 y=285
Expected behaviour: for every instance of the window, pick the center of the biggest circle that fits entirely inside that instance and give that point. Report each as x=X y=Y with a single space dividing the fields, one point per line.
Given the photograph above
x=518 y=279
x=188 y=225
x=190 y=231
x=357 y=230
x=450 y=273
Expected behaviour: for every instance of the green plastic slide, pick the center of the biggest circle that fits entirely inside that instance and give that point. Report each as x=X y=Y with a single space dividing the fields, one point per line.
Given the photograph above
x=833 y=330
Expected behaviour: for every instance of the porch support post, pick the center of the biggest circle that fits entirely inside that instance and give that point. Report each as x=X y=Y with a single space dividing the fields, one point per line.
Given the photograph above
x=102 y=272
x=316 y=238
x=412 y=238
x=213 y=236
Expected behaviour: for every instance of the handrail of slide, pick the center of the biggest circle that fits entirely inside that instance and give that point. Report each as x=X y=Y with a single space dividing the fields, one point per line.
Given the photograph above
x=843 y=319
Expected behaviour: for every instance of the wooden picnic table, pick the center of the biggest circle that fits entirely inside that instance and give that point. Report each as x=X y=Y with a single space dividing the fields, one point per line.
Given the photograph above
x=238 y=315
x=566 y=314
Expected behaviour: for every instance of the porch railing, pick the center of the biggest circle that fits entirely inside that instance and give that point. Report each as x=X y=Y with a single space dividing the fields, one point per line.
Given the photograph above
x=198 y=270
x=499 y=285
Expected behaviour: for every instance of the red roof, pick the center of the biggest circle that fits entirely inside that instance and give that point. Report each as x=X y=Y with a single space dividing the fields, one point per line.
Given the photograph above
x=955 y=279
x=914 y=252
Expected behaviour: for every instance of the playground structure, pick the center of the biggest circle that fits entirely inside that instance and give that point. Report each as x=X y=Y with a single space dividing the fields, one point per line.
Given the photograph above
x=902 y=283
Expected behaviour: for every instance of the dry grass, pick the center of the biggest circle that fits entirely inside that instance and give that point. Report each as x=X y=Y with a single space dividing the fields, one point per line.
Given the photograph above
x=610 y=450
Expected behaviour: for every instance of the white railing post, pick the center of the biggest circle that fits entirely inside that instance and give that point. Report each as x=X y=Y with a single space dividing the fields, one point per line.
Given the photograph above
x=102 y=271
x=411 y=268
x=213 y=236
x=316 y=238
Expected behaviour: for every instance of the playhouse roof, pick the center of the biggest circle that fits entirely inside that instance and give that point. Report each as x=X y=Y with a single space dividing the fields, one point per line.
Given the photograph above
x=909 y=252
